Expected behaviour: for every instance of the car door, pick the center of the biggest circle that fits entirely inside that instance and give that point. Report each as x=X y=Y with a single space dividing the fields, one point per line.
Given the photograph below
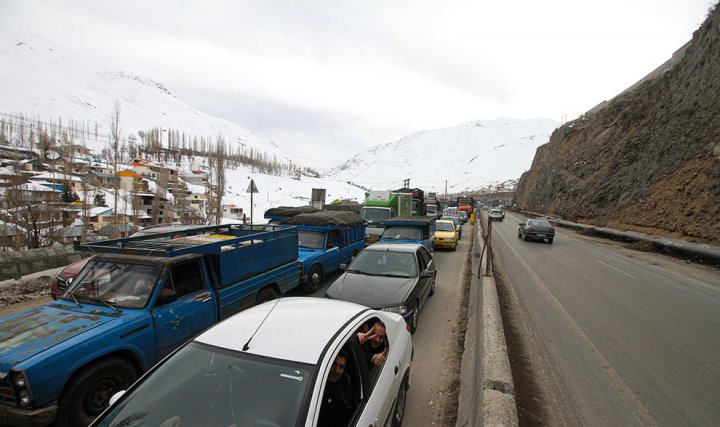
x=332 y=256
x=192 y=312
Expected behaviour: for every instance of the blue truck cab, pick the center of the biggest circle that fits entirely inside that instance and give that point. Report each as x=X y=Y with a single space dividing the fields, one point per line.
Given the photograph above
x=326 y=239
x=410 y=229
x=134 y=302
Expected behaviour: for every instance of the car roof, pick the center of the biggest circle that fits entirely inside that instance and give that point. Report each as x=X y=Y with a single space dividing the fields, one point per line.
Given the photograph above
x=394 y=247
x=297 y=328
x=445 y=220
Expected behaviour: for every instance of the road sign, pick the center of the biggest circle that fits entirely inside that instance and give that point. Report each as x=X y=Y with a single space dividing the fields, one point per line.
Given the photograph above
x=251 y=187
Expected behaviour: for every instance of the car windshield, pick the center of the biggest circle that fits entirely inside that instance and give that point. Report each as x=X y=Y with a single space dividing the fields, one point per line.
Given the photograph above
x=203 y=385
x=444 y=226
x=379 y=263
x=402 y=233
x=431 y=209
x=539 y=223
x=311 y=239
x=118 y=284
x=375 y=215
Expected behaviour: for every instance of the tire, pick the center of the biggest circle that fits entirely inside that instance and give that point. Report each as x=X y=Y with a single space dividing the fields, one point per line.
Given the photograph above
x=88 y=392
x=265 y=294
x=454 y=248
x=519 y=234
x=550 y=241
x=525 y=238
x=315 y=279
x=399 y=410
x=432 y=287
x=414 y=319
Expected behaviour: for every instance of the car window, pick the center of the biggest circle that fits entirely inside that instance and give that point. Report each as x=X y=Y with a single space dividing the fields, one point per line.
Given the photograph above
x=342 y=390
x=402 y=233
x=427 y=257
x=400 y=264
x=311 y=239
x=203 y=385
x=444 y=226
x=186 y=278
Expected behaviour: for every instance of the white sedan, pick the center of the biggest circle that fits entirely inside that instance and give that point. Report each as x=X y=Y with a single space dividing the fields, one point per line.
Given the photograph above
x=288 y=362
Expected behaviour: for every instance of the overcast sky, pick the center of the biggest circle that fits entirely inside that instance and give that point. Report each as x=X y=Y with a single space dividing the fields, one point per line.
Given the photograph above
x=328 y=79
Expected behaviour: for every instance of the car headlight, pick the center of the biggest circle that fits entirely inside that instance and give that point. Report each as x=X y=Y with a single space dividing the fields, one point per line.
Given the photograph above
x=400 y=309
x=22 y=388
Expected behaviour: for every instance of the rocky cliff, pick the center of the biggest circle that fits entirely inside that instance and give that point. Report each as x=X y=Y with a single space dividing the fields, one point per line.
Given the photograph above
x=648 y=161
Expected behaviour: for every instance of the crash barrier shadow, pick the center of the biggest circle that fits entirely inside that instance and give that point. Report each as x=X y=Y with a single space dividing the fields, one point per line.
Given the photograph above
x=487 y=393
x=15 y=264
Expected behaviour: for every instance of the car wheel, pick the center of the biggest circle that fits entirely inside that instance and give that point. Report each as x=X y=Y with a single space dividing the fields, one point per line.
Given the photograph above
x=432 y=287
x=314 y=280
x=525 y=238
x=88 y=393
x=413 y=320
x=550 y=241
x=519 y=234
x=399 y=412
x=265 y=294
x=454 y=248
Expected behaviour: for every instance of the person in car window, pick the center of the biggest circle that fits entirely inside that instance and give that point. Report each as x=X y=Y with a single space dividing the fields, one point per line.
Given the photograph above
x=337 y=402
x=142 y=288
x=373 y=343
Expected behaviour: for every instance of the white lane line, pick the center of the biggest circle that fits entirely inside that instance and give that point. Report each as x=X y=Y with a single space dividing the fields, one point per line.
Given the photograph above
x=636 y=406
x=617 y=269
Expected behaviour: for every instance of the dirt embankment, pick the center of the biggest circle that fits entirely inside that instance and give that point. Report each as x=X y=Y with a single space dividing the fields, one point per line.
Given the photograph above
x=648 y=161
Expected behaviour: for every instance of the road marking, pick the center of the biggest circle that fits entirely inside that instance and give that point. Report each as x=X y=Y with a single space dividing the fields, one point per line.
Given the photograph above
x=617 y=269
x=636 y=405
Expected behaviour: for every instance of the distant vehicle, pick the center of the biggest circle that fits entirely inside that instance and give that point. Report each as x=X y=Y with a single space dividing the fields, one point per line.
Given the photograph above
x=65 y=276
x=536 y=229
x=256 y=369
x=432 y=211
x=411 y=229
x=389 y=277
x=464 y=216
x=455 y=219
x=381 y=206
x=446 y=235
x=496 y=214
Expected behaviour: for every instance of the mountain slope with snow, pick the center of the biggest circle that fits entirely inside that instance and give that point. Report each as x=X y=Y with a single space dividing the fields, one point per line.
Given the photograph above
x=46 y=82
x=468 y=156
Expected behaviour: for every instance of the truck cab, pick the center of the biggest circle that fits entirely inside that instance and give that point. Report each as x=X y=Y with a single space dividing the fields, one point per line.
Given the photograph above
x=381 y=206
x=326 y=239
x=413 y=229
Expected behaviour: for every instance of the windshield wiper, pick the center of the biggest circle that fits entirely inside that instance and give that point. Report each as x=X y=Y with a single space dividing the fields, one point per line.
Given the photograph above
x=74 y=299
x=391 y=275
x=108 y=304
x=358 y=272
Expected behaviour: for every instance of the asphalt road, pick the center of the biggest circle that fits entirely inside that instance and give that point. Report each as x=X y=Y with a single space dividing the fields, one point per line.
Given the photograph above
x=632 y=338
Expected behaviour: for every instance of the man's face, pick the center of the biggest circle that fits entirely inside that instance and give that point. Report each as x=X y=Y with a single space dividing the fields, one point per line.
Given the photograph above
x=379 y=338
x=337 y=369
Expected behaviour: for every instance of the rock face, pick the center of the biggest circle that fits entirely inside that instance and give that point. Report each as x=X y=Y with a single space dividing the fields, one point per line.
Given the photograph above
x=648 y=161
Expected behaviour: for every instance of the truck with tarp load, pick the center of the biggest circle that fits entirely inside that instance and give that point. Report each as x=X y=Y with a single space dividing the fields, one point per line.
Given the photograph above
x=381 y=206
x=412 y=229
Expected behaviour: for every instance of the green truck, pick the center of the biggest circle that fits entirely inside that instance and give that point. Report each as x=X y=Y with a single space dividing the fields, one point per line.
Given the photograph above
x=381 y=206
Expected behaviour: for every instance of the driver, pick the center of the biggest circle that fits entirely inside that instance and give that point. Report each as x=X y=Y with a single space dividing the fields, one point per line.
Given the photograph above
x=142 y=288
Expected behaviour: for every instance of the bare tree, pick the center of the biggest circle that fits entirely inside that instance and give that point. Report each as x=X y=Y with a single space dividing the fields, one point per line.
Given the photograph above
x=114 y=153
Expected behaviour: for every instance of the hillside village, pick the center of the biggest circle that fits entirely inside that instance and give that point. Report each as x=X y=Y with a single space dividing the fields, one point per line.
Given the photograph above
x=54 y=196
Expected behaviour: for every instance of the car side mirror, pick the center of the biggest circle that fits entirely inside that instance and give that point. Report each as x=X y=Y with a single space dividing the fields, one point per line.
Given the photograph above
x=521 y=223
x=166 y=297
x=427 y=273
x=115 y=397
x=343 y=267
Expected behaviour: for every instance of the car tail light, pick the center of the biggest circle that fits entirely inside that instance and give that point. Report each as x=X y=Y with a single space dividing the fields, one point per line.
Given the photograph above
x=530 y=229
x=407 y=326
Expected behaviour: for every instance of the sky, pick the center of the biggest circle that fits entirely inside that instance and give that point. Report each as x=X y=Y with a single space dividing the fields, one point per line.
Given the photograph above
x=328 y=79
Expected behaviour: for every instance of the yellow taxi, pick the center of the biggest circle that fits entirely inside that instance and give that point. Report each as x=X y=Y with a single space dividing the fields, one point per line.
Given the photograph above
x=446 y=235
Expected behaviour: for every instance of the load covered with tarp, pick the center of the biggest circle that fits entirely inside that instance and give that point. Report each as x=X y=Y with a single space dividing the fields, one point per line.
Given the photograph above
x=325 y=218
x=288 y=211
x=345 y=206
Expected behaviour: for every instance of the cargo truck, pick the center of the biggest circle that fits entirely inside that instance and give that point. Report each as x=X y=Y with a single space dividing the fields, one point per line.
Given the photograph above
x=381 y=206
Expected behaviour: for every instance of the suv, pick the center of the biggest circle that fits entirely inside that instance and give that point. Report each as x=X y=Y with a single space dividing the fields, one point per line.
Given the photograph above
x=496 y=214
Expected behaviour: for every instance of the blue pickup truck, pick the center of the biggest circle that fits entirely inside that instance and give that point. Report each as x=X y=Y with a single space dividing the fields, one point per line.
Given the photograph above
x=326 y=239
x=410 y=229
x=135 y=302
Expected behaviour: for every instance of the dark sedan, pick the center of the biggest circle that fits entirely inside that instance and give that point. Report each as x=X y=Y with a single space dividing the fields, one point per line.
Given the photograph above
x=536 y=229
x=392 y=277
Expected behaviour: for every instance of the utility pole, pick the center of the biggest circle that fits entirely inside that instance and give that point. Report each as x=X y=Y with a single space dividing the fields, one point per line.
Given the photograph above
x=446 y=189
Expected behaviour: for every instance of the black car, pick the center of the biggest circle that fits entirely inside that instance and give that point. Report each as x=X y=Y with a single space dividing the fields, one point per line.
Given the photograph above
x=388 y=276
x=538 y=229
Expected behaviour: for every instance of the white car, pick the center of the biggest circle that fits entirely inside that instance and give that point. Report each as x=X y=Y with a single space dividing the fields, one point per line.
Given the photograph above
x=496 y=214
x=270 y=366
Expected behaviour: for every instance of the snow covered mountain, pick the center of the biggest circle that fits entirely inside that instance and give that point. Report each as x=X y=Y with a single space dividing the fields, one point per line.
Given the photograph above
x=468 y=156
x=49 y=83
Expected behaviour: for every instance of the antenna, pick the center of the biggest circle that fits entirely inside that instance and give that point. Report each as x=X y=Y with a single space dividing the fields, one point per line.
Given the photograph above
x=246 y=347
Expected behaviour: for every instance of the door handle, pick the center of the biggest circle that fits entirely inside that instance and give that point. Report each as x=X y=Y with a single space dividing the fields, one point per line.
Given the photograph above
x=207 y=299
x=397 y=368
